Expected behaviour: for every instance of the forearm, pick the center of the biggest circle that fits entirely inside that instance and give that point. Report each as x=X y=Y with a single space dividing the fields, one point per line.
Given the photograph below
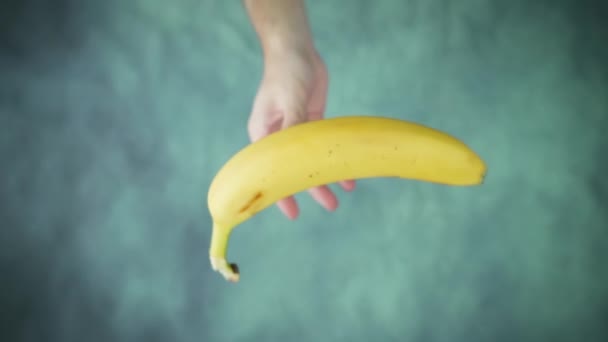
x=280 y=25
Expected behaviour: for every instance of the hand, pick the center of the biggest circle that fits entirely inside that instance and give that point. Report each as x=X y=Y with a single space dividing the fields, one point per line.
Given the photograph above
x=293 y=90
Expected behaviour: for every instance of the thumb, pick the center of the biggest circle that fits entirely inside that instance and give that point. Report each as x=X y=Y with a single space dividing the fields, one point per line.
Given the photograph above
x=294 y=113
x=262 y=120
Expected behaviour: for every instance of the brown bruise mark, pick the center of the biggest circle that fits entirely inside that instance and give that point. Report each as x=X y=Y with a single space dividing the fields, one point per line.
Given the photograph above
x=251 y=202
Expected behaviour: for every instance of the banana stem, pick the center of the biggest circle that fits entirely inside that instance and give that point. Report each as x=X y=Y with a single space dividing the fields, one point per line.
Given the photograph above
x=217 y=254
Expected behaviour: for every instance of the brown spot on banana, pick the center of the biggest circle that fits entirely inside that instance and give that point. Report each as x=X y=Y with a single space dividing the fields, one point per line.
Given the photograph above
x=251 y=202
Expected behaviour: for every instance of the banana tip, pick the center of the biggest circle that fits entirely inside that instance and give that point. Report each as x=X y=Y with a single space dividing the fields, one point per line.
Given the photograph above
x=235 y=275
x=230 y=272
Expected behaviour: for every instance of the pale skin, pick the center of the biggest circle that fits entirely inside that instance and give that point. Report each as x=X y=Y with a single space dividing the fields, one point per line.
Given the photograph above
x=294 y=85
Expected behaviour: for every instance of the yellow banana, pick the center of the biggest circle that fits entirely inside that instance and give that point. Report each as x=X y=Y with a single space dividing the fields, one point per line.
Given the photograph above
x=327 y=151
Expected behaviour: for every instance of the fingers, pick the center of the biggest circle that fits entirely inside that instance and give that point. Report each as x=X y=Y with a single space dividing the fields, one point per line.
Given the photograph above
x=348 y=185
x=321 y=194
x=325 y=197
x=289 y=207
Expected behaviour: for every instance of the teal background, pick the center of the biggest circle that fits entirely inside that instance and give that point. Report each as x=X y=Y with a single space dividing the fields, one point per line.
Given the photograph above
x=115 y=115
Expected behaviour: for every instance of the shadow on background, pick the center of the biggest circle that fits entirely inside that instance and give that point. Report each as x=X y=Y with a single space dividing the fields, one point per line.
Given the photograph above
x=33 y=30
x=38 y=281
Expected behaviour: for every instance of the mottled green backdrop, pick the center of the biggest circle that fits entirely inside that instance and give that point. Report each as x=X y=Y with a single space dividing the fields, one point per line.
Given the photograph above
x=114 y=116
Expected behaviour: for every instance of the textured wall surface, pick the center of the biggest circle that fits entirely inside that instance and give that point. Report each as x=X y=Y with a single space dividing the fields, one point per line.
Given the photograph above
x=114 y=116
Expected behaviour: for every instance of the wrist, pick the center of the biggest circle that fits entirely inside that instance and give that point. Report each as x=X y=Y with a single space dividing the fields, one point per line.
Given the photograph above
x=277 y=48
x=282 y=27
x=289 y=43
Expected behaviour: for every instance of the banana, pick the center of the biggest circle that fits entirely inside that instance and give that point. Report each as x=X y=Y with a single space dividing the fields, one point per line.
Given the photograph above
x=327 y=151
